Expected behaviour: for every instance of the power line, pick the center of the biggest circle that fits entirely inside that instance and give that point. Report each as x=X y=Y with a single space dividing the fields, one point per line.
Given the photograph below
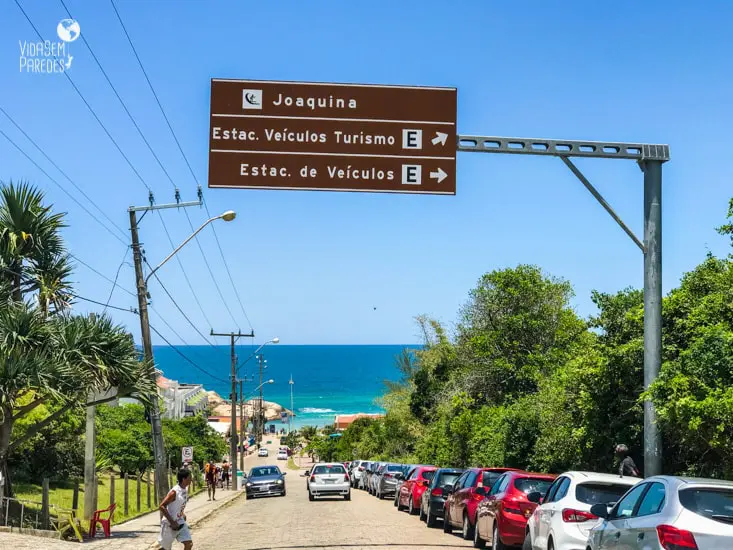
x=91 y=110
x=49 y=159
x=186 y=358
x=114 y=283
x=128 y=309
x=185 y=158
x=57 y=184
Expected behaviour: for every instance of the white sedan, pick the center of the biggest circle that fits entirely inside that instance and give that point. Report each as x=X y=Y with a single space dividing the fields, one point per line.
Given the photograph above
x=563 y=520
x=263 y=452
x=282 y=455
x=329 y=479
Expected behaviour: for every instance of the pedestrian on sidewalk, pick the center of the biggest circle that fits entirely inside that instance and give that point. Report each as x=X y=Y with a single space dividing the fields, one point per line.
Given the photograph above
x=173 y=525
x=211 y=480
x=627 y=466
x=225 y=474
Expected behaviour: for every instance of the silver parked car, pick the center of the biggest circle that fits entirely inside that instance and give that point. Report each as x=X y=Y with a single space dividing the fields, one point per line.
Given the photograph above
x=329 y=479
x=667 y=513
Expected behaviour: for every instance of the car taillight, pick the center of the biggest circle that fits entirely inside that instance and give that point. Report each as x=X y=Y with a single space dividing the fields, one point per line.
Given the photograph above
x=576 y=516
x=437 y=492
x=672 y=538
x=388 y=475
x=346 y=477
x=509 y=510
x=477 y=497
x=313 y=478
x=361 y=469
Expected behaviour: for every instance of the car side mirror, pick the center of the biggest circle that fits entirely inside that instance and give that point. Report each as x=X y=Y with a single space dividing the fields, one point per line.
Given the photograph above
x=599 y=510
x=481 y=491
x=448 y=489
x=285 y=473
x=535 y=497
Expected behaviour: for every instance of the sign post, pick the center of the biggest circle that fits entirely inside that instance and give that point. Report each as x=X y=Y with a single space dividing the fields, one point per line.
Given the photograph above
x=332 y=137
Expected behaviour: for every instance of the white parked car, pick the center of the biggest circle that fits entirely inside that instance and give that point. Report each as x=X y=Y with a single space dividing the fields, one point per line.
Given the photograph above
x=282 y=455
x=563 y=520
x=329 y=479
x=262 y=452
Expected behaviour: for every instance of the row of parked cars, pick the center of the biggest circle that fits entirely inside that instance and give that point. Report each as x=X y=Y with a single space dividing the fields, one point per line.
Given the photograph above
x=504 y=508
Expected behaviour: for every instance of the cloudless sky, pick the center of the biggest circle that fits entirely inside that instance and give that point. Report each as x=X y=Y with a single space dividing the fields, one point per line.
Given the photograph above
x=312 y=266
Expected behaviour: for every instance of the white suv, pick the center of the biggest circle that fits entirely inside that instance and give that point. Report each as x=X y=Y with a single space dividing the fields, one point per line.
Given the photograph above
x=329 y=479
x=563 y=520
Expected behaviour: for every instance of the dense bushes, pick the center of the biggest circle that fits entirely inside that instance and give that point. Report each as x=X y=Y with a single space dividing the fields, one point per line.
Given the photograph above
x=525 y=382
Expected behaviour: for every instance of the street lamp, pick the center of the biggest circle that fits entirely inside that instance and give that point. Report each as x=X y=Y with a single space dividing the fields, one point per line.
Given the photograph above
x=275 y=340
x=161 y=477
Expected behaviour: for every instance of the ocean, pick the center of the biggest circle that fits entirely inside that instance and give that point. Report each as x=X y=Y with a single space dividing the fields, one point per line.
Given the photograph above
x=328 y=380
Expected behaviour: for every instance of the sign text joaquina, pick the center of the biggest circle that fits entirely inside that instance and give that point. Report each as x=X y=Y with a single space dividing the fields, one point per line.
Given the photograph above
x=332 y=137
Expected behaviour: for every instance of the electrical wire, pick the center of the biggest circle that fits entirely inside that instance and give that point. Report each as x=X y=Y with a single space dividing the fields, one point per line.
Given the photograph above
x=49 y=159
x=185 y=158
x=128 y=310
x=89 y=107
x=57 y=184
x=114 y=283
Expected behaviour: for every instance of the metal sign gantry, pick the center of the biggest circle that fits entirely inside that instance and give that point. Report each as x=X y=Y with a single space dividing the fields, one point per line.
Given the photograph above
x=650 y=158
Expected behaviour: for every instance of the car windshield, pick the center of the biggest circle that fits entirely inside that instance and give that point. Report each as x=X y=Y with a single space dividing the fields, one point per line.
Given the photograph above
x=600 y=493
x=329 y=469
x=532 y=485
x=712 y=503
x=448 y=478
x=264 y=471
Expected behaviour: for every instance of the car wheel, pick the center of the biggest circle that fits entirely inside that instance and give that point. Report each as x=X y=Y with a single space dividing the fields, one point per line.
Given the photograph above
x=347 y=496
x=478 y=542
x=430 y=519
x=311 y=497
x=447 y=527
x=528 y=543
x=422 y=513
x=399 y=505
x=467 y=531
x=283 y=494
x=411 y=507
x=496 y=541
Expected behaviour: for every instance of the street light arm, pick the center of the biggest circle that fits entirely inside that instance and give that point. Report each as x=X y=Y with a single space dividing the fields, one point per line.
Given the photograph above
x=255 y=352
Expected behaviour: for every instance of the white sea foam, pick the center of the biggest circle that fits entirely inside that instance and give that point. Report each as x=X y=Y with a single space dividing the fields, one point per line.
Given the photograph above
x=315 y=410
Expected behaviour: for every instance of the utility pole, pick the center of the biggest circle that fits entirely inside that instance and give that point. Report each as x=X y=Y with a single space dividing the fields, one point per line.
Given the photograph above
x=292 y=410
x=161 y=477
x=233 y=336
x=260 y=420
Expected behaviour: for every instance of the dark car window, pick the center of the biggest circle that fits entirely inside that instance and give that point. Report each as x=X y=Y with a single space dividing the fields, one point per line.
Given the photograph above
x=264 y=471
x=412 y=474
x=532 y=484
x=393 y=468
x=460 y=482
x=712 y=503
x=489 y=478
x=428 y=475
x=626 y=505
x=599 y=493
x=470 y=479
x=447 y=478
x=562 y=489
x=550 y=497
x=653 y=500
x=499 y=485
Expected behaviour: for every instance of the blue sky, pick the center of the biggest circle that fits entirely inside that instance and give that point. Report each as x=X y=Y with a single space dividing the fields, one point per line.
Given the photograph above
x=311 y=267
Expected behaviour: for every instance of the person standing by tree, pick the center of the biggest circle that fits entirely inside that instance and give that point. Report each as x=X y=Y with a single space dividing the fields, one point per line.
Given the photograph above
x=211 y=480
x=173 y=525
x=627 y=466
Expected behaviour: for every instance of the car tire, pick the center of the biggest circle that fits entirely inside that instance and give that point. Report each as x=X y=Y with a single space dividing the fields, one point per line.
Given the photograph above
x=447 y=527
x=496 y=540
x=527 y=545
x=411 y=507
x=478 y=542
x=550 y=545
x=466 y=531
x=283 y=494
x=423 y=516
x=311 y=497
x=430 y=519
x=347 y=496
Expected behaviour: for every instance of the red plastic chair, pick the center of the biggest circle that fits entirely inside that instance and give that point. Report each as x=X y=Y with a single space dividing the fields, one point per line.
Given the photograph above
x=105 y=523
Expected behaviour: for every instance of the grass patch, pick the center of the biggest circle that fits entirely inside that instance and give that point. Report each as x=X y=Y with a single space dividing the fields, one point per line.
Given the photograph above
x=292 y=465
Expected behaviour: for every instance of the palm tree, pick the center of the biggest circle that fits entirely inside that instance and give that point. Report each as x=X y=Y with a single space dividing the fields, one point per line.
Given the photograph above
x=47 y=354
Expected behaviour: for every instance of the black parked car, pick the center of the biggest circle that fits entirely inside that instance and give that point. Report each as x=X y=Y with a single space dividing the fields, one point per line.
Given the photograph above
x=265 y=481
x=432 y=502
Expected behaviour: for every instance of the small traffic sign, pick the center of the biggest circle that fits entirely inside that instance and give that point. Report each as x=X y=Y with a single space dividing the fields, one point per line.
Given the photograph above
x=186 y=454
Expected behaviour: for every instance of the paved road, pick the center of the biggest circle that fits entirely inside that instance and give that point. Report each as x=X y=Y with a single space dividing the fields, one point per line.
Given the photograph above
x=292 y=522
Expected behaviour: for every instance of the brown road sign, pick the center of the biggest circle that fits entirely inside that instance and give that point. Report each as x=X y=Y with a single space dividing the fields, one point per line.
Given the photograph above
x=346 y=137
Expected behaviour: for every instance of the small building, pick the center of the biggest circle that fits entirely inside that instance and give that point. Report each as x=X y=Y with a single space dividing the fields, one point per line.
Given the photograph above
x=343 y=421
x=181 y=400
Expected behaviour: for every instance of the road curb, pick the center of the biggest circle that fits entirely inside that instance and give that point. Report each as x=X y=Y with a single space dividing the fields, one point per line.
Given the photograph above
x=196 y=522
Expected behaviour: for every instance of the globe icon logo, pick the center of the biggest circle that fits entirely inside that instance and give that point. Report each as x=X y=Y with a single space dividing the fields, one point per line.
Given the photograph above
x=68 y=30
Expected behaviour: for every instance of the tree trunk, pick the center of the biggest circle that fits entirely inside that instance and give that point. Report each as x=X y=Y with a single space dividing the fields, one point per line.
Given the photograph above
x=5 y=429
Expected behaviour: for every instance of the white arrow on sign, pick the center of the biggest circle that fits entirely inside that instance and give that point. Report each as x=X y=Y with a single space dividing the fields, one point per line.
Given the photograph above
x=439 y=175
x=440 y=137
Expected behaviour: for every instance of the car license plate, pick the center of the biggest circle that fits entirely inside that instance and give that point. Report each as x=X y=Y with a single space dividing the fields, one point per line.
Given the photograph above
x=330 y=481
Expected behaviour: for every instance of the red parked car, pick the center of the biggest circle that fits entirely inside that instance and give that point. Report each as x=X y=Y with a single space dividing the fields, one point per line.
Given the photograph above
x=501 y=517
x=413 y=487
x=466 y=493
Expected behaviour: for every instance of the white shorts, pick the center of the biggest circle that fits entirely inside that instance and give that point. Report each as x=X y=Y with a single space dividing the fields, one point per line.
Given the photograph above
x=168 y=535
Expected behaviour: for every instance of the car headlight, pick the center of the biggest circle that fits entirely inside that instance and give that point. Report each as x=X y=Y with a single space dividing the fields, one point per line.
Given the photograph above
x=249 y=484
x=279 y=481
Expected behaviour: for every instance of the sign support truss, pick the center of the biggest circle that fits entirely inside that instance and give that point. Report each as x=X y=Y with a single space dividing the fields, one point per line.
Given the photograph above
x=650 y=159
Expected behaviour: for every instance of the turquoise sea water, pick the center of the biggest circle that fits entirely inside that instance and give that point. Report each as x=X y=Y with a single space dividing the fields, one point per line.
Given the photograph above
x=328 y=380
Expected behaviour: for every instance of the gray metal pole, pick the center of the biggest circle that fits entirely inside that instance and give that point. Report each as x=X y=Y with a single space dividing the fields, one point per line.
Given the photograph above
x=90 y=465
x=233 y=429
x=652 y=309
x=161 y=475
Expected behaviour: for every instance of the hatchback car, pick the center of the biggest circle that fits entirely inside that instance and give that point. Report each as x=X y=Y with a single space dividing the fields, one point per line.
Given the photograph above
x=263 y=452
x=329 y=479
x=464 y=496
x=432 y=502
x=667 y=513
x=501 y=517
x=265 y=481
x=411 y=491
x=373 y=476
x=563 y=519
x=386 y=483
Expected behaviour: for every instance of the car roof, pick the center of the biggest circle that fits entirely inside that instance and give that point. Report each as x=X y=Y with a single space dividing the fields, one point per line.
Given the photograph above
x=451 y=470
x=497 y=470
x=521 y=474
x=329 y=464
x=581 y=476
x=695 y=481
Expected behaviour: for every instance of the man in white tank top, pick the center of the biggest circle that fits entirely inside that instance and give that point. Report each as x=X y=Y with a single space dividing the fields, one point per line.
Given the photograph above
x=173 y=524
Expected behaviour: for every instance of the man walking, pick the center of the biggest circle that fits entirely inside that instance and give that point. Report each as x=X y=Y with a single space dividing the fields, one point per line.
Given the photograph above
x=173 y=525
x=211 y=480
x=627 y=466
x=225 y=474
